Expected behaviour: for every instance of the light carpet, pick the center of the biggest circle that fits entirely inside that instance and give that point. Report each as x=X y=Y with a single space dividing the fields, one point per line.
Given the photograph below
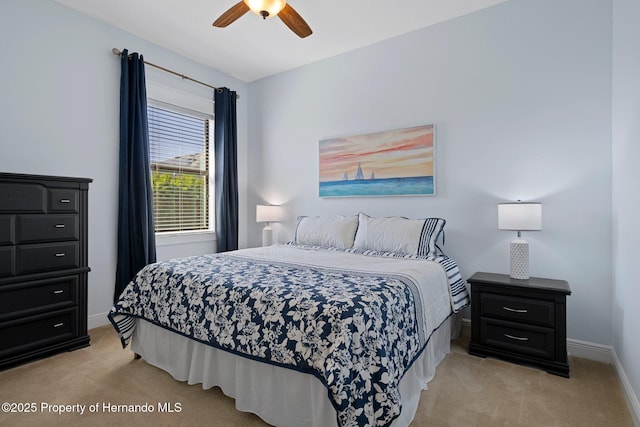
x=467 y=391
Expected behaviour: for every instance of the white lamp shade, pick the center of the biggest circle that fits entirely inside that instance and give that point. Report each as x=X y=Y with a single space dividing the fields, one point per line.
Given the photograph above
x=520 y=216
x=268 y=213
x=271 y=7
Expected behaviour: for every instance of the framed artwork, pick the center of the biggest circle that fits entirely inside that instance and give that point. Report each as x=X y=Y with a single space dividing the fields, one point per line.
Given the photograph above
x=392 y=163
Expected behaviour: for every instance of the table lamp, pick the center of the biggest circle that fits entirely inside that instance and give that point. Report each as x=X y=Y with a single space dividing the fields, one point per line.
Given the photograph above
x=268 y=214
x=519 y=217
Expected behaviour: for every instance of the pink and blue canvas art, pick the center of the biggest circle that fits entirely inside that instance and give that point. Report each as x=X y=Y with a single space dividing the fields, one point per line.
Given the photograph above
x=392 y=163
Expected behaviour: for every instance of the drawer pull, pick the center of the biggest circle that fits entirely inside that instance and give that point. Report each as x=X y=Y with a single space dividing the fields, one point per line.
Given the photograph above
x=65 y=200
x=60 y=255
x=516 y=338
x=60 y=226
x=515 y=310
x=59 y=291
x=57 y=325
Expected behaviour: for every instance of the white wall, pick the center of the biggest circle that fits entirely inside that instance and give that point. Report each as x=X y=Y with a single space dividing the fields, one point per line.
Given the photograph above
x=59 y=112
x=520 y=94
x=626 y=197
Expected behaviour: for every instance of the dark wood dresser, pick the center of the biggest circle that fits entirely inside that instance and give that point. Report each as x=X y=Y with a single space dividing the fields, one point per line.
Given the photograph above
x=520 y=320
x=43 y=266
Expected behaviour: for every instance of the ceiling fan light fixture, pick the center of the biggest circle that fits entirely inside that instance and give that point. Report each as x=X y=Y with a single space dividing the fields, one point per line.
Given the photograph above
x=266 y=8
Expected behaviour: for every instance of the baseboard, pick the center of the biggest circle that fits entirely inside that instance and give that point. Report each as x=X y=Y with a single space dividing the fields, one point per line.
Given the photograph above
x=97 y=320
x=629 y=394
x=584 y=349
x=589 y=350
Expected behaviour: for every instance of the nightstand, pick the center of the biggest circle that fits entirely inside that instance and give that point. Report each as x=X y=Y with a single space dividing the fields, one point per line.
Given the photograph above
x=522 y=321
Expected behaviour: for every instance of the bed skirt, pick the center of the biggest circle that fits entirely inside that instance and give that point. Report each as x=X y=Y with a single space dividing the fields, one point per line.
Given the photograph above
x=280 y=396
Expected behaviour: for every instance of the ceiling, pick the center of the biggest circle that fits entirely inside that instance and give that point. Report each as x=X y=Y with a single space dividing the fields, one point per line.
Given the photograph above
x=251 y=48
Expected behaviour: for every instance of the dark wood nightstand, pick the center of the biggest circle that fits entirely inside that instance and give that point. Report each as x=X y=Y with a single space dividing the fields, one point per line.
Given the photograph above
x=521 y=321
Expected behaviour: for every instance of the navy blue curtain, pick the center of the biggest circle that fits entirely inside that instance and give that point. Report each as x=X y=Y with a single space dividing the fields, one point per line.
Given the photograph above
x=226 y=182
x=136 y=234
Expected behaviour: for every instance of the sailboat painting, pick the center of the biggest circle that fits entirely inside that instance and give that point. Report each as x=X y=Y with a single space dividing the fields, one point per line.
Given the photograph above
x=392 y=163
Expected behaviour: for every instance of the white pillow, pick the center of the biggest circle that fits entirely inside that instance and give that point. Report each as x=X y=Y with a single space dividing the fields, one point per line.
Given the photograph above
x=399 y=235
x=327 y=231
x=388 y=234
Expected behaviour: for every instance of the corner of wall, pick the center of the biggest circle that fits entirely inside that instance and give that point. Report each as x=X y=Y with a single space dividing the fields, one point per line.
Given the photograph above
x=589 y=350
x=629 y=394
x=97 y=320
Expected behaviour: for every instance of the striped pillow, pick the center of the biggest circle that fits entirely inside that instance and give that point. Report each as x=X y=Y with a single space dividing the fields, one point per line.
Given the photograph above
x=429 y=236
x=399 y=235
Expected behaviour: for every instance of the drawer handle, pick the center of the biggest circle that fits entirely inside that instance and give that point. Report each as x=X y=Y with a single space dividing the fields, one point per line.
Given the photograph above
x=516 y=338
x=60 y=255
x=57 y=325
x=60 y=226
x=515 y=310
x=59 y=291
x=65 y=200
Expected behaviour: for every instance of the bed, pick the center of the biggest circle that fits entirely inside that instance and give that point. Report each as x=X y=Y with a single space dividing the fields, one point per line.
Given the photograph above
x=344 y=325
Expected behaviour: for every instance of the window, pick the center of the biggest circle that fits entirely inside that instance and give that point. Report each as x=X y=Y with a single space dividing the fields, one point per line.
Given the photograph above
x=179 y=148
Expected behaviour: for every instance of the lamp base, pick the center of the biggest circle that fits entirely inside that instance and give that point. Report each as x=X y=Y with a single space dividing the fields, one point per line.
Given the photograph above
x=267 y=236
x=519 y=249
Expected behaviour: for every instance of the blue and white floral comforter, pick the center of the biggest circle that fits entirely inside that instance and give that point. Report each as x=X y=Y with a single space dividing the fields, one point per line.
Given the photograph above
x=354 y=321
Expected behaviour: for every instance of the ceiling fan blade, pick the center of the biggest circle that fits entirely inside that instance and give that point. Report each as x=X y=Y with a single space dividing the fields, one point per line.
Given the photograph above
x=294 y=21
x=231 y=15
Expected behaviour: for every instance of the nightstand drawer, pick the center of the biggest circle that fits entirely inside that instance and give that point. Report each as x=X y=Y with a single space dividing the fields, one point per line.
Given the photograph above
x=527 y=310
x=517 y=338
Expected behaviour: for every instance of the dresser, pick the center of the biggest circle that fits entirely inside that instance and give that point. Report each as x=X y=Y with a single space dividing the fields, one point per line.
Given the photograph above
x=43 y=266
x=522 y=321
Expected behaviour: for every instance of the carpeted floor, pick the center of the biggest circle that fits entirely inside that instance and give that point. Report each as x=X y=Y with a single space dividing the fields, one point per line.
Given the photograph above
x=467 y=391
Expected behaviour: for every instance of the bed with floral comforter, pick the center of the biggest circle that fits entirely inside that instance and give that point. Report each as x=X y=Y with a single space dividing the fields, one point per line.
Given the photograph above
x=354 y=320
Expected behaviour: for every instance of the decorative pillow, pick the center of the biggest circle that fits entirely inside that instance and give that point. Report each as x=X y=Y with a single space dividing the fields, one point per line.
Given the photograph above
x=327 y=231
x=399 y=235
x=431 y=231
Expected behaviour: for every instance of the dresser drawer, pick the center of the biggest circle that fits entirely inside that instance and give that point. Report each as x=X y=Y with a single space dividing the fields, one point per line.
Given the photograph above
x=508 y=307
x=46 y=228
x=42 y=295
x=29 y=333
x=7 y=261
x=63 y=200
x=518 y=338
x=16 y=197
x=46 y=257
x=7 y=235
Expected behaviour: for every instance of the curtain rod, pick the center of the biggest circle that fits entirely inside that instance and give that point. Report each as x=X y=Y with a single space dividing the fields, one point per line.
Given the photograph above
x=118 y=52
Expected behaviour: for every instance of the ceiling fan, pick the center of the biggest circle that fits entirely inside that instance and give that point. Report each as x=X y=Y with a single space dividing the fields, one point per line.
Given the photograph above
x=266 y=9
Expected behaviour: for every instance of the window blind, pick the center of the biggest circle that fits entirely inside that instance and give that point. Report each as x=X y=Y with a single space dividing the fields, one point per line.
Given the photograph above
x=179 y=151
